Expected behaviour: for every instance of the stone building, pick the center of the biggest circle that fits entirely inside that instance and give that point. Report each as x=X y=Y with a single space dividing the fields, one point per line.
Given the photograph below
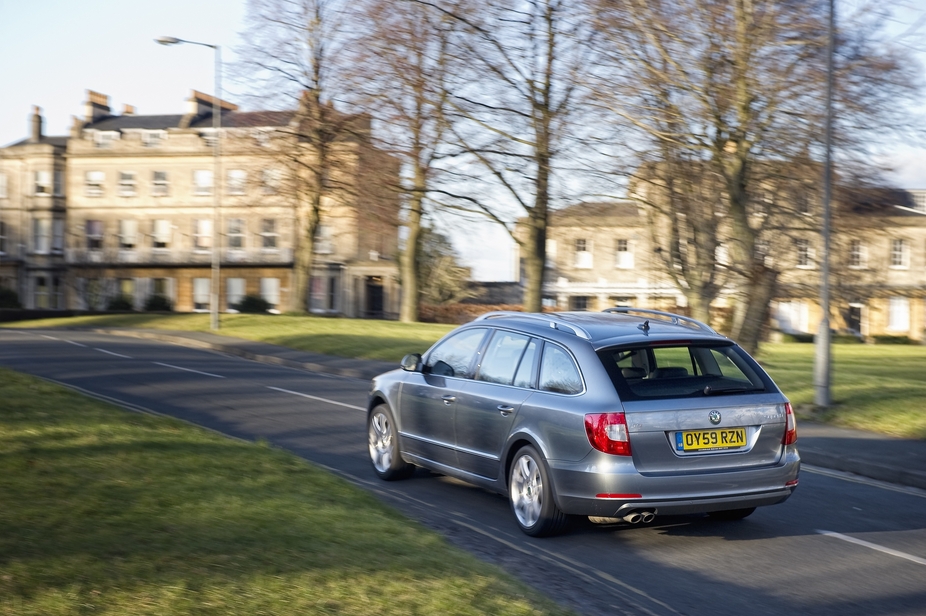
x=137 y=219
x=603 y=254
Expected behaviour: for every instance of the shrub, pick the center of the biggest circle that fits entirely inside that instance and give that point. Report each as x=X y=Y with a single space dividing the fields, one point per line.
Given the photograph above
x=9 y=298
x=158 y=303
x=885 y=339
x=253 y=304
x=120 y=302
x=846 y=339
x=796 y=337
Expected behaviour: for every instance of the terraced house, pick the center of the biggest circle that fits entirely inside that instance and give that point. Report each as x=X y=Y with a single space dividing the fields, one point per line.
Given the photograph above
x=128 y=212
x=604 y=254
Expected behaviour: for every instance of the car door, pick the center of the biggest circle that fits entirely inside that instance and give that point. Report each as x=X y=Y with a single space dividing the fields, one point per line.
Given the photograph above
x=488 y=404
x=429 y=397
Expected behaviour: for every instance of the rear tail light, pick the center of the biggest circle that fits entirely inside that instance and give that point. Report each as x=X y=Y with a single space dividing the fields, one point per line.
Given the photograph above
x=790 y=436
x=607 y=432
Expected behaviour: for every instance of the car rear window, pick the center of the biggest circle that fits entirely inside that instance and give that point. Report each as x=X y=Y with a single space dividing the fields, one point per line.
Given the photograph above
x=683 y=370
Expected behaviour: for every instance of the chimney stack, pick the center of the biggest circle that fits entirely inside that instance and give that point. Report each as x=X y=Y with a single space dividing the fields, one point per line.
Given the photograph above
x=96 y=107
x=129 y=110
x=35 y=134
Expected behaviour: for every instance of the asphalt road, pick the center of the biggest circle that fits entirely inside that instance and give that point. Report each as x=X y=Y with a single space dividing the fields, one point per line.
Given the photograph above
x=841 y=545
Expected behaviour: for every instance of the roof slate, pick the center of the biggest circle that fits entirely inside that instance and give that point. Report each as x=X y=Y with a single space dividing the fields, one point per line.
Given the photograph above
x=230 y=119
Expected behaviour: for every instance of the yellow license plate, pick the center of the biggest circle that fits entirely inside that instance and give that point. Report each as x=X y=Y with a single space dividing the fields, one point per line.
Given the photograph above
x=706 y=440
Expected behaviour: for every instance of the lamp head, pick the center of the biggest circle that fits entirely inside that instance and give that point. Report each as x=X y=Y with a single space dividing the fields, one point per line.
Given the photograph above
x=167 y=40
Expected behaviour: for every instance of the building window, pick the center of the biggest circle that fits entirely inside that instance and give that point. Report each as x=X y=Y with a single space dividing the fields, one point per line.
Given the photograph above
x=583 y=256
x=270 y=181
x=236 y=181
x=579 y=302
x=793 y=316
x=202 y=234
x=323 y=243
x=201 y=293
x=2 y=238
x=270 y=291
x=898 y=314
x=262 y=137
x=202 y=182
x=41 y=292
x=93 y=183
x=159 y=287
x=858 y=254
x=234 y=291
x=127 y=288
x=804 y=254
x=919 y=201
x=623 y=257
x=153 y=138
x=105 y=139
x=159 y=184
x=94 y=229
x=802 y=203
x=900 y=254
x=57 y=235
x=161 y=234
x=126 y=184
x=42 y=183
x=3 y=186
x=235 y=233
x=41 y=235
x=128 y=230
x=268 y=233
x=58 y=186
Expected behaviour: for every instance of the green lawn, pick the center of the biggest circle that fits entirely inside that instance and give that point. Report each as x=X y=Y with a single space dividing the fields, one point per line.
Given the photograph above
x=875 y=387
x=103 y=511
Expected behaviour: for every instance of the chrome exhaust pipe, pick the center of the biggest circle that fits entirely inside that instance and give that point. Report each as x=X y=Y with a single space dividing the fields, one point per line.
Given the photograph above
x=648 y=517
x=633 y=517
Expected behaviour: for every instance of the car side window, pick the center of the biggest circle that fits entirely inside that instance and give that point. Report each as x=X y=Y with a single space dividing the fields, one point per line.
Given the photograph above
x=454 y=356
x=558 y=371
x=502 y=357
x=525 y=375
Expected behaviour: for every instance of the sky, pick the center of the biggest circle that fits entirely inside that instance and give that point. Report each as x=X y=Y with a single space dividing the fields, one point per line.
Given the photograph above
x=52 y=51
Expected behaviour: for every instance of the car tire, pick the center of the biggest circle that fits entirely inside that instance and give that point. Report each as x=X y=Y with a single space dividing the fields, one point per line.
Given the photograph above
x=530 y=492
x=731 y=515
x=384 y=445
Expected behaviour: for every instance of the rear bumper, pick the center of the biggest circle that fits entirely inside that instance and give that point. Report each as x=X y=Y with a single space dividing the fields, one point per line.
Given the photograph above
x=580 y=488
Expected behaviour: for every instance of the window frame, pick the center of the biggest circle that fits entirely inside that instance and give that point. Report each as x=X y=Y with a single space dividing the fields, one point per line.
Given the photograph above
x=266 y=235
x=899 y=258
x=160 y=187
x=198 y=235
x=128 y=184
x=203 y=190
x=94 y=183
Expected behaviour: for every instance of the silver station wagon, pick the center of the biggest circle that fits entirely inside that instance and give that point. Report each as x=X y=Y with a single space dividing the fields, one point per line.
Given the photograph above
x=621 y=415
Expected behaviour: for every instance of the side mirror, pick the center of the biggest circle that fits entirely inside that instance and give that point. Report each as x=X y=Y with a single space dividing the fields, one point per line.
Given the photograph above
x=412 y=362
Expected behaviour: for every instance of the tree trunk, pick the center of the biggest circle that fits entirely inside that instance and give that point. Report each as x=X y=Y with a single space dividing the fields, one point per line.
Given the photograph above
x=408 y=261
x=304 y=256
x=752 y=308
x=534 y=247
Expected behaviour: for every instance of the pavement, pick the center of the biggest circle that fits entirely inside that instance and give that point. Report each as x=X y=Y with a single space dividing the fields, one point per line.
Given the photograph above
x=876 y=456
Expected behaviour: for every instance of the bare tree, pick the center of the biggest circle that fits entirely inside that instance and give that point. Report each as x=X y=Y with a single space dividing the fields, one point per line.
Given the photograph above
x=518 y=66
x=402 y=67
x=290 y=55
x=738 y=86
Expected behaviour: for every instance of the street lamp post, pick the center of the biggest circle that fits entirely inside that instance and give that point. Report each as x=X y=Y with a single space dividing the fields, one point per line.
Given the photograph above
x=217 y=174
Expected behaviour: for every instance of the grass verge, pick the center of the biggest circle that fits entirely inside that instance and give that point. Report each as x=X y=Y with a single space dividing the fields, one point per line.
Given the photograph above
x=874 y=387
x=110 y=512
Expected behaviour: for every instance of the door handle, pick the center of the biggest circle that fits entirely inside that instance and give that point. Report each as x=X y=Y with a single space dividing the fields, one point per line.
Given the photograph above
x=448 y=400
x=505 y=410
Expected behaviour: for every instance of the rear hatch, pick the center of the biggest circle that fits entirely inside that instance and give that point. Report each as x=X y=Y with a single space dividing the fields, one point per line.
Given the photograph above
x=695 y=406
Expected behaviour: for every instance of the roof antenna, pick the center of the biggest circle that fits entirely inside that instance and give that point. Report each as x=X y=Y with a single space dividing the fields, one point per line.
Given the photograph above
x=645 y=326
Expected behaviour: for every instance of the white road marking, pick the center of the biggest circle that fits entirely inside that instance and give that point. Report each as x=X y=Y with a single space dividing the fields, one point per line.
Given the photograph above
x=296 y=393
x=48 y=337
x=874 y=546
x=76 y=343
x=864 y=480
x=111 y=353
x=218 y=376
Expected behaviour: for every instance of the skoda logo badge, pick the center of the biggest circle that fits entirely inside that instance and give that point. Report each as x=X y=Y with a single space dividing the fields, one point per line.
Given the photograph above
x=714 y=416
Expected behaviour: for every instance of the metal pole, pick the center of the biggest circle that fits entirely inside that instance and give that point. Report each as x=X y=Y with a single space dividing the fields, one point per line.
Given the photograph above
x=216 y=193
x=822 y=368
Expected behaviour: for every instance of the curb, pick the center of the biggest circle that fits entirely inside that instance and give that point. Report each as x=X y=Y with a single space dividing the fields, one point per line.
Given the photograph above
x=872 y=470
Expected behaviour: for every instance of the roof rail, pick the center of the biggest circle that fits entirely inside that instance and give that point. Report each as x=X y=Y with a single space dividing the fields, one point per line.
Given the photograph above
x=553 y=321
x=677 y=319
